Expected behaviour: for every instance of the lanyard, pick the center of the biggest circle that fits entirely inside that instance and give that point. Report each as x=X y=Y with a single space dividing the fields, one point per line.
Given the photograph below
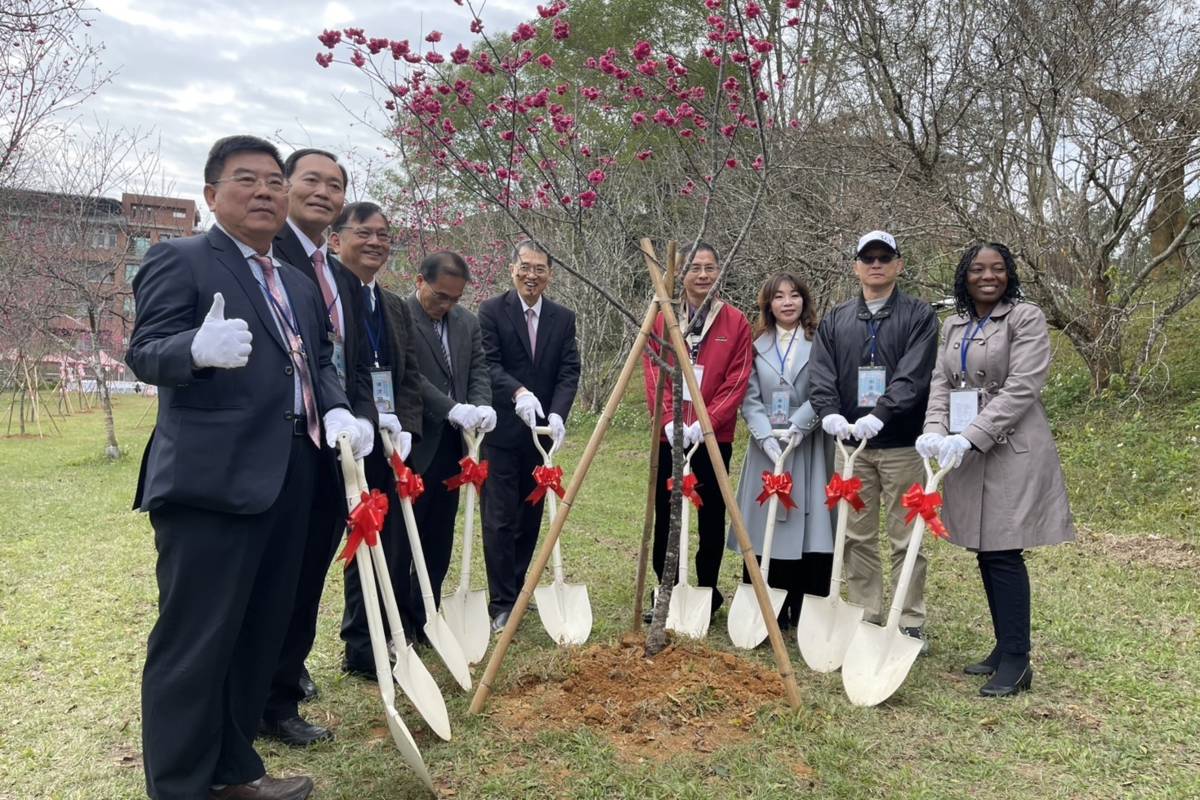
x=280 y=312
x=873 y=327
x=783 y=358
x=374 y=331
x=968 y=337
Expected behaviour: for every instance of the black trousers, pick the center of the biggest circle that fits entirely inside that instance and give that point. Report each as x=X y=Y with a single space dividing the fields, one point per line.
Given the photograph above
x=396 y=552
x=1006 y=583
x=798 y=577
x=510 y=525
x=226 y=583
x=711 y=520
x=435 y=513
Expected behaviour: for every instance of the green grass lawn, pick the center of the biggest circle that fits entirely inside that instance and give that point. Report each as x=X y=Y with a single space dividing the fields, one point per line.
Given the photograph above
x=1115 y=710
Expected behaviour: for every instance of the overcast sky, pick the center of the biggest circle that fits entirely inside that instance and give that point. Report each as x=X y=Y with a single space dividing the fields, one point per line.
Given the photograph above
x=195 y=70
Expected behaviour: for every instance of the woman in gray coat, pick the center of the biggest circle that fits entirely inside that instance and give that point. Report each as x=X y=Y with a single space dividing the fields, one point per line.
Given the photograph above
x=985 y=413
x=777 y=400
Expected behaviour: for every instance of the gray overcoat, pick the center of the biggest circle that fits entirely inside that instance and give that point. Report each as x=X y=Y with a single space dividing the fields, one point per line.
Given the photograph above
x=808 y=528
x=1009 y=492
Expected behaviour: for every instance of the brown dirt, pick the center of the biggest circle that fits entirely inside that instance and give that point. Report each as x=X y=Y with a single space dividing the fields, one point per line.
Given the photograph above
x=687 y=699
x=1149 y=549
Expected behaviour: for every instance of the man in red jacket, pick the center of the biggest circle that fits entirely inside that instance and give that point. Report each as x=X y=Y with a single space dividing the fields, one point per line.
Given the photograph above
x=720 y=346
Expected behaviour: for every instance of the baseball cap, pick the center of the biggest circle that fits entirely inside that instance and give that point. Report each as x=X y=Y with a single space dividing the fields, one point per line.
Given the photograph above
x=876 y=237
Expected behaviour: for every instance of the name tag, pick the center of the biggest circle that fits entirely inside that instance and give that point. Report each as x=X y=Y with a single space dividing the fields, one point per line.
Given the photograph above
x=964 y=407
x=872 y=383
x=339 y=357
x=698 y=371
x=381 y=391
x=781 y=406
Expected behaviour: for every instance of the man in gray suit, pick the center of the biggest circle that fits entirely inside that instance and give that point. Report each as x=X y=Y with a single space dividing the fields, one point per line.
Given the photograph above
x=456 y=394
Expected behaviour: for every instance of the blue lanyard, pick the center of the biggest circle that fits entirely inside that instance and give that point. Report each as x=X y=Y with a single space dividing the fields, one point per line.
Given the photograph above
x=783 y=358
x=968 y=337
x=873 y=327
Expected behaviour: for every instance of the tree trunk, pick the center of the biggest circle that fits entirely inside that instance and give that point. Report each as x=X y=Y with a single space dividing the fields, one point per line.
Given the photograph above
x=656 y=637
x=112 y=450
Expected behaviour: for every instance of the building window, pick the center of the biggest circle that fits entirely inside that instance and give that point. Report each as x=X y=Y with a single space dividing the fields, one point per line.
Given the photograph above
x=130 y=272
x=140 y=245
x=104 y=240
x=179 y=213
x=162 y=237
x=129 y=306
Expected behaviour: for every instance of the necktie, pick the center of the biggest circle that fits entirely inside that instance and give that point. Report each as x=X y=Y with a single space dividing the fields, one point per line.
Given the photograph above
x=318 y=259
x=295 y=348
x=530 y=316
x=439 y=328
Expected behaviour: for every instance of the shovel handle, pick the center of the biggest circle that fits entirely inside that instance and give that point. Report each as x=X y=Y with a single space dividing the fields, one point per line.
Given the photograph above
x=538 y=431
x=783 y=434
x=474 y=440
x=848 y=458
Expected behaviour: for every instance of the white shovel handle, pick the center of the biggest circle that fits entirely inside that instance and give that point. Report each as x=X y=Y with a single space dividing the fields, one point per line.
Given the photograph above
x=414 y=543
x=932 y=481
x=385 y=577
x=474 y=441
x=684 y=520
x=843 y=509
x=773 y=503
x=552 y=497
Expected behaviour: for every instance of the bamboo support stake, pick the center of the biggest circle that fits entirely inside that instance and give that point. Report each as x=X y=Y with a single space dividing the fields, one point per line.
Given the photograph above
x=484 y=690
x=782 y=662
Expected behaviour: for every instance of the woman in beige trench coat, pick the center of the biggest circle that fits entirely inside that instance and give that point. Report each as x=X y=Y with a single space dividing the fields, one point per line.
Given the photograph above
x=985 y=413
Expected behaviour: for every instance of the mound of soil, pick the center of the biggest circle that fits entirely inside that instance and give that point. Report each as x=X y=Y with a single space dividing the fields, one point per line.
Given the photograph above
x=688 y=698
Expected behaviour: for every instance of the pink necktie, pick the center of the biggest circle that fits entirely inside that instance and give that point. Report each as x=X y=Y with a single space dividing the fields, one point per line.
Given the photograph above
x=318 y=259
x=529 y=317
x=295 y=348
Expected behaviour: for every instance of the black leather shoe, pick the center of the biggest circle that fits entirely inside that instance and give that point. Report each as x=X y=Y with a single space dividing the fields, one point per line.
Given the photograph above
x=294 y=731
x=308 y=689
x=1011 y=678
x=499 y=621
x=266 y=788
x=358 y=670
x=985 y=667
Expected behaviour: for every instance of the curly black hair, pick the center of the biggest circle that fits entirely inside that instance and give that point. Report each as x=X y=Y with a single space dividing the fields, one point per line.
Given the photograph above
x=1012 y=292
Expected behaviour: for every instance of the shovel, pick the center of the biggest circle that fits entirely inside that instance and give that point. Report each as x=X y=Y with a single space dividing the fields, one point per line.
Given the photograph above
x=746 y=626
x=466 y=611
x=564 y=608
x=355 y=485
x=879 y=658
x=437 y=630
x=827 y=624
x=691 y=606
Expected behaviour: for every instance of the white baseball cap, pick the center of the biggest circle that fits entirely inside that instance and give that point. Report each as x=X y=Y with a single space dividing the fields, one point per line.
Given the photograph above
x=876 y=237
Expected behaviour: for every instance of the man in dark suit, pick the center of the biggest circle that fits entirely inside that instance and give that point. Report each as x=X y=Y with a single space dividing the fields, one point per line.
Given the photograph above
x=456 y=394
x=316 y=194
x=362 y=236
x=529 y=343
x=242 y=399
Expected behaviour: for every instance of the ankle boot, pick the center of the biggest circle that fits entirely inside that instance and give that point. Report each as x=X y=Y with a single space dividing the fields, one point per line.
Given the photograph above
x=1013 y=676
x=987 y=666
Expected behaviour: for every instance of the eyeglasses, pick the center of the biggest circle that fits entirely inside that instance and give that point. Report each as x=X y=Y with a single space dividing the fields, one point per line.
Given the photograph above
x=533 y=269
x=312 y=182
x=885 y=259
x=365 y=234
x=274 y=183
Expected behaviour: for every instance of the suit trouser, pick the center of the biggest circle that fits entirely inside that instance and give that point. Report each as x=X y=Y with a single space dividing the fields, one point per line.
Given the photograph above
x=226 y=583
x=1006 y=582
x=397 y=554
x=435 y=512
x=510 y=525
x=886 y=474
x=711 y=522
x=797 y=577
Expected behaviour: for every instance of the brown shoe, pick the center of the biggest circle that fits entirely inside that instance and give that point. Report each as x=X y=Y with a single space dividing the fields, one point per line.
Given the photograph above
x=266 y=788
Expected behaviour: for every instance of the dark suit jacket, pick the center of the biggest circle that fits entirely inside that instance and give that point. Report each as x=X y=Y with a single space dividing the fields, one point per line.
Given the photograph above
x=287 y=247
x=471 y=382
x=406 y=375
x=552 y=374
x=223 y=436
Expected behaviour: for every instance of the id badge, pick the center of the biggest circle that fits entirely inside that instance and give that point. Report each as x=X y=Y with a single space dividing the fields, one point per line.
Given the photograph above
x=698 y=371
x=381 y=390
x=781 y=405
x=964 y=407
x=339 y=358
x=872 y=383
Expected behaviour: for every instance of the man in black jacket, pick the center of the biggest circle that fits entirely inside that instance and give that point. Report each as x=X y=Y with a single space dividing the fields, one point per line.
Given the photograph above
x=869 y=376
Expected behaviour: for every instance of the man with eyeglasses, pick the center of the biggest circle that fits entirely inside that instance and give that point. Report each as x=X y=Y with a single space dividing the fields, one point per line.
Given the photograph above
x=529 y=341
x=237 y=342
x=316 y=193
x=871 y=364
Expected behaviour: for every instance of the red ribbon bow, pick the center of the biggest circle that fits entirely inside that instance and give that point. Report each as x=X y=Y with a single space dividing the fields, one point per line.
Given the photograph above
x=781 y=485
x=472 y=472
x=927 y=505
x=547 y=478
x=365 y=523
x=843 y=489
x=408 y=483
x=689 y=489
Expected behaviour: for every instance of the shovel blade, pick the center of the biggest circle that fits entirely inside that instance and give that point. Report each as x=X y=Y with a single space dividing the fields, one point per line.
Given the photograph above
x=467 y=615
x=422 y=691
x=690 y=610
x=440 y=635
x=877 y=662
x=746 y=626
x=824 y=631
x=565 y=612
x=408 y=747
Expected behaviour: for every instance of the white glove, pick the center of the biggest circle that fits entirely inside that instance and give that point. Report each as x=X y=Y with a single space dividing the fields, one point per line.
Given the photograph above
x=669 y=432
x=485 y=419
x=367 y=431
x=403 y=444
x=464 y=416
x=339 y=421
x=558 y=430
x=771 y=449
x=836 y=425
x=528 y=408
x=952 y=449
x=692 y=434
x=795 y=435
x=867 y=427
x=928 y=444
x=220 y=342
x=389 y=425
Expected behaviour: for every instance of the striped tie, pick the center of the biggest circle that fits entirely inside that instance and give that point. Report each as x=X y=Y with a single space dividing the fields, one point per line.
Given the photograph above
x=295 y=347
x=318 y=259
